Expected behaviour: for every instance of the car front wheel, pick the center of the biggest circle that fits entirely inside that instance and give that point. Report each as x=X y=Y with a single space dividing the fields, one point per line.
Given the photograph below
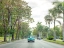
x=28 y=41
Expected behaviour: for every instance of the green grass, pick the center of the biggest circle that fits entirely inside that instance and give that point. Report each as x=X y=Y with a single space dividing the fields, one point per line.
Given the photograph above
x=57 y=41
x=2 y=39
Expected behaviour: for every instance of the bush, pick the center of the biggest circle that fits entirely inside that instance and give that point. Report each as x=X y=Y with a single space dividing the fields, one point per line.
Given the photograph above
x=50 y=38
x=61 y=38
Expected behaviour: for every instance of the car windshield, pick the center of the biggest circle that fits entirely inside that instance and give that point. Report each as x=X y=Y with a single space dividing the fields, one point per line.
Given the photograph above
x=31 y=23
x=30 y=36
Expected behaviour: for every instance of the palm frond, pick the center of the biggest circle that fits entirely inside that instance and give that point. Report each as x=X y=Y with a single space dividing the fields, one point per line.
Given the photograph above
x=60 y=17
x=58 y=22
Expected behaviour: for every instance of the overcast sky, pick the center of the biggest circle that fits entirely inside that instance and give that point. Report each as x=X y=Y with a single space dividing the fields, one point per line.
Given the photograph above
x=39 y=10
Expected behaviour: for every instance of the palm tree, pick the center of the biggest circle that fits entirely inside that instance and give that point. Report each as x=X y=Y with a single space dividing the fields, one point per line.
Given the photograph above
x=60 y=6
x=54 y=12
x=48 y=20
x=63 y=19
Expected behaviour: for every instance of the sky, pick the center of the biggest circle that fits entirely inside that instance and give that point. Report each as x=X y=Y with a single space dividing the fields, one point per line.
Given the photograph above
x=40 y=10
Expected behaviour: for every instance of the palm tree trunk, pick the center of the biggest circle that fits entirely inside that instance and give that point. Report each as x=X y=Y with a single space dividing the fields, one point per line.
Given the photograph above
x=49 y=29
x=63 y=26
x=54 y=31
x=49 y=25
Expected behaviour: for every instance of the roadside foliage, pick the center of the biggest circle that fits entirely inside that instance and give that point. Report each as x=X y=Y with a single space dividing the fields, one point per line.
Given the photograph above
x=12 y=14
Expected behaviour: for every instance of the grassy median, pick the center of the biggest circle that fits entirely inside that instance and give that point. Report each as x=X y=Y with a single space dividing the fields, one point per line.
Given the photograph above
x=57 y=41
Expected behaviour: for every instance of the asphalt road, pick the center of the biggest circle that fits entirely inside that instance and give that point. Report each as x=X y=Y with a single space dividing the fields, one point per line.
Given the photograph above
x=37 y=44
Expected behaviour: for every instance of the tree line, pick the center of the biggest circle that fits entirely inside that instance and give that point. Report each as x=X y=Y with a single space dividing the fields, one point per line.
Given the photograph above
x=14 y=14
x=54 y=14
x=51 y=17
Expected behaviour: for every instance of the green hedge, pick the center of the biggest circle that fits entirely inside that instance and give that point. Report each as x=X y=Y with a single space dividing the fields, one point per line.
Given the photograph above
x=61 y=38
x=50 y=38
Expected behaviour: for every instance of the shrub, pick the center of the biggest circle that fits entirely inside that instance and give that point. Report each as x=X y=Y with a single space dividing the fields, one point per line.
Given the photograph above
x=61 y=38
x=50 y=38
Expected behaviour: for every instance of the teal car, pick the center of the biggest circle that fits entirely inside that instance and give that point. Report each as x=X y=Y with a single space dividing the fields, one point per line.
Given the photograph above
x=31 y=39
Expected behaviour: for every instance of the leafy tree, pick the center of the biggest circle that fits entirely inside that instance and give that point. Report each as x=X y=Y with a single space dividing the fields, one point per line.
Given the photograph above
x=25 y=28
x=44 y=30
x=35 y=32
x=12 y=13
x=39 y=27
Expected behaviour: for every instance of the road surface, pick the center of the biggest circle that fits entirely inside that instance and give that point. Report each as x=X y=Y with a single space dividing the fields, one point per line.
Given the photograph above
x=37 y=44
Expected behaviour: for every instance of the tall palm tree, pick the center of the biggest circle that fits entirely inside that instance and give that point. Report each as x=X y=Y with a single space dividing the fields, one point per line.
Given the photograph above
x=54 y=12
x=48 y=20
x=60 y=6
x=63 y=19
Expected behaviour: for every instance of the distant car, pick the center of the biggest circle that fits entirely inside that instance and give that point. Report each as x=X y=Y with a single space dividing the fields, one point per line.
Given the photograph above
x=39 y=38
x=31 y=39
